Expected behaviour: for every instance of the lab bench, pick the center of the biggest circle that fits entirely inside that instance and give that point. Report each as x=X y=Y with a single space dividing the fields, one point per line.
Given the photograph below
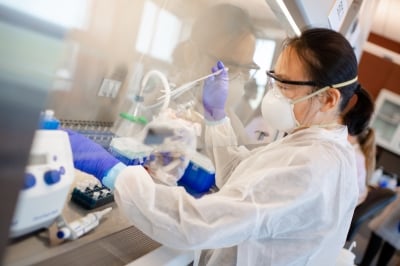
x=113 y=242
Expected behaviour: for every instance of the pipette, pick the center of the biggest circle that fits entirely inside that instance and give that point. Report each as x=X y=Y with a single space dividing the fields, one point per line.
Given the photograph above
x=190 y=85
x=81 y=226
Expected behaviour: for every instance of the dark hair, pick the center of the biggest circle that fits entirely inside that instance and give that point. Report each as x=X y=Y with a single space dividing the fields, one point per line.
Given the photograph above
x=329 y=59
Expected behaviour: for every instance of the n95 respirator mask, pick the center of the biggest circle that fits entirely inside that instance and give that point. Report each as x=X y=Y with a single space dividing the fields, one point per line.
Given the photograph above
x=277 y=110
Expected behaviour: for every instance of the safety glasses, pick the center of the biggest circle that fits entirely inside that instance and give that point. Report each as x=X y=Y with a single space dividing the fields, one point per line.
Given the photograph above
x=271 y=74
x=248 y=66
x=287 y=88
x=234 y=65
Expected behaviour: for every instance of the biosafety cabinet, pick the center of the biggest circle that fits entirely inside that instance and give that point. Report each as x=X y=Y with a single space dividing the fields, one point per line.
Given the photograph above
x=86 y=60
x=352 y=18
x=386 y=121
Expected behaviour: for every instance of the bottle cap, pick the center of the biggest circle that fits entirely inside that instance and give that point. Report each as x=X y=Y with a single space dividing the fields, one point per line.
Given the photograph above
x=48 y=121
x=64 y=233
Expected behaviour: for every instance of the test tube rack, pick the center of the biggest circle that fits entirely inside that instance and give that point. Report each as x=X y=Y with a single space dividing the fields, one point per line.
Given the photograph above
x=91 y=198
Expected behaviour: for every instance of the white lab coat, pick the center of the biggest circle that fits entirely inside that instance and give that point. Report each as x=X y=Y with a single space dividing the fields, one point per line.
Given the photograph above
x=287 y=203
x=361 y=174
x=386 y=224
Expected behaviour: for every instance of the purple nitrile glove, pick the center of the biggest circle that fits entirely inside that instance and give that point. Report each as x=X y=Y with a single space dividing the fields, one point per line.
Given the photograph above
x=89 y=156
x=215 y=93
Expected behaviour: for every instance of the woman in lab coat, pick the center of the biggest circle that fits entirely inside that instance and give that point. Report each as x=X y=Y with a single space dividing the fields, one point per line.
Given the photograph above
x=287 y=203
x=222 y=31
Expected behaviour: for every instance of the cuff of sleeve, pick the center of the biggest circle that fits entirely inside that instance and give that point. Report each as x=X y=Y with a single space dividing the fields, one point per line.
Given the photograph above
x=111 y=176
x=218 y=122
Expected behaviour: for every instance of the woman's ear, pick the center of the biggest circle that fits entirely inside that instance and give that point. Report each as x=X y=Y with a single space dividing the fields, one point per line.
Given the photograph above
x=330 y=99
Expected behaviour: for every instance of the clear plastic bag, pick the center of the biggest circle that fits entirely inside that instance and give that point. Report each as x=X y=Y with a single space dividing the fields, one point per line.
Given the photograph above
x=173 y=141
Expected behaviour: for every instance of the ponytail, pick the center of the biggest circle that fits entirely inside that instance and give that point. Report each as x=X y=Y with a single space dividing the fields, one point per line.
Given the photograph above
x=358 y=117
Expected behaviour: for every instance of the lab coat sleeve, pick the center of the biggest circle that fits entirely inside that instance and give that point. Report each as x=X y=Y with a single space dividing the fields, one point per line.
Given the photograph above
x=238 y=212
x=174 y=218
x=223 y=150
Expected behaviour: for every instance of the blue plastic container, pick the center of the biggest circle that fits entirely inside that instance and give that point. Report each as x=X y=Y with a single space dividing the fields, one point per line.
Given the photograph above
x=196 y=179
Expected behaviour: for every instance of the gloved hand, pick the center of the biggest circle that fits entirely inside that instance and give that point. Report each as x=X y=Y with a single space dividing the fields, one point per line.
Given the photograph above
x=166 y=167
x=173 y=141
x=215 y=93
x=89 y=156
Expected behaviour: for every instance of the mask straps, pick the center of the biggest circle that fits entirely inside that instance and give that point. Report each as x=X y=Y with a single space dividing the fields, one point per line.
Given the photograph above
x=338 y=85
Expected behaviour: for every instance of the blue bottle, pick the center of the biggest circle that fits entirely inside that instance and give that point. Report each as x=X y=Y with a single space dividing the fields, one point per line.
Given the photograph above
x=48 y=121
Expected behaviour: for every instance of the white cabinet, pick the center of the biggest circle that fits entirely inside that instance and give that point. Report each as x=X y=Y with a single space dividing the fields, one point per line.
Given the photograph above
x=386 y=120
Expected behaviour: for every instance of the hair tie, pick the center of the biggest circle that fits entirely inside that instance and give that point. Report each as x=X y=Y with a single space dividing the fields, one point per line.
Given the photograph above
x=358 y=88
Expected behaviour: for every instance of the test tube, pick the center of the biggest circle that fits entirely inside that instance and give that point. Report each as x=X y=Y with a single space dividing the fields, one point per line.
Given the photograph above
x=96 y=195
x=81 y=187
x=81 y=226
x=105 y=192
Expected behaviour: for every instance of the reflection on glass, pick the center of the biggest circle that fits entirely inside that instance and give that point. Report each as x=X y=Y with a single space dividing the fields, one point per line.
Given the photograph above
x=158 y=32
x=68 y=14
x=181 y=39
